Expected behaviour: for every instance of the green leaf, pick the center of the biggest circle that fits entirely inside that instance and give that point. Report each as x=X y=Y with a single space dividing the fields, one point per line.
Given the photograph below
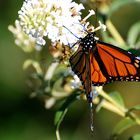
x=133 y=34
x=116 y=5
x=135 y=137
x=117 y=97
x=60 y=114
x=122 y=126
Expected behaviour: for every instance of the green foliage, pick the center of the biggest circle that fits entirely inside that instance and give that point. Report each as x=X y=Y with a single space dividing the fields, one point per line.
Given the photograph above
x=116 y=96
x=121 y=126
x=137 y=107
x=135 y=137
x=60 y=114
x=117 y=4
x=133 y=38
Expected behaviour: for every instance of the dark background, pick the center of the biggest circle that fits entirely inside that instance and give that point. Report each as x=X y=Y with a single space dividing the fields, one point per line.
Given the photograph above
x=25 y=118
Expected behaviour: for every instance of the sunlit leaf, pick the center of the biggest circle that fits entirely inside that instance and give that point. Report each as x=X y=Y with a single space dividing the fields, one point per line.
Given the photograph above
x=133 y=34
x=117 y=97
x=135 y=137
x=122 y=126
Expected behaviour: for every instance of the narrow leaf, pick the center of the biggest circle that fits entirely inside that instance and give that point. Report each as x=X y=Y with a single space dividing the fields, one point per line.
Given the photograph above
x=122 y=126
x=133 y=34
x=59 y=116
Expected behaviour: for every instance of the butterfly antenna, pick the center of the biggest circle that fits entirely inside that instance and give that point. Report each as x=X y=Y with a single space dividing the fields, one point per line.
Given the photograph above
x=84 y=28
x=74 y=44
x=71 y=32
x=68 y=41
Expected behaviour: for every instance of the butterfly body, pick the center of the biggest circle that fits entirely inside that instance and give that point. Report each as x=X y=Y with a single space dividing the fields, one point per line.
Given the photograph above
x=98 y=63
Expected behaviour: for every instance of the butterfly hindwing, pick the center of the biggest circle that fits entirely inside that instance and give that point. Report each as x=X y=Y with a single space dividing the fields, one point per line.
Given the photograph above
x=97 y=76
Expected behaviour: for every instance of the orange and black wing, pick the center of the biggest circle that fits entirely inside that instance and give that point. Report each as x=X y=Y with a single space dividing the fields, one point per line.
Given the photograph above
x=110 y=63
x=80 y=64
x=98 y=75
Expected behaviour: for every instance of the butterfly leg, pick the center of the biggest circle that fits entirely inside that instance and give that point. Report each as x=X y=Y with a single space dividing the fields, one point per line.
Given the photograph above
x=90 y=98
x=95 y=93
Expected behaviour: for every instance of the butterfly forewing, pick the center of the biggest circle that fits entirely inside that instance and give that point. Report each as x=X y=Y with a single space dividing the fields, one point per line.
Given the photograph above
x=80 y=64
x=77 y=62
x=119 y=64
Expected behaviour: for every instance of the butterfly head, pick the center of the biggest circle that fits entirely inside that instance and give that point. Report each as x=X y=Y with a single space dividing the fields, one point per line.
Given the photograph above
x=89 y=41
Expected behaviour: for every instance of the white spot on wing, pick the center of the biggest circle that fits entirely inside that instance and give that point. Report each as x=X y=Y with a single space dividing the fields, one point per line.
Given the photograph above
x=138 y=58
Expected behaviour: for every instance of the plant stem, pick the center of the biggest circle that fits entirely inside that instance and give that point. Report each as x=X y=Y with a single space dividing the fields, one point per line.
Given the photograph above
x=107 y=97
x=109 y=106
x=122 y=110
x=58 y=135
x=114 y=32
x=134 y=117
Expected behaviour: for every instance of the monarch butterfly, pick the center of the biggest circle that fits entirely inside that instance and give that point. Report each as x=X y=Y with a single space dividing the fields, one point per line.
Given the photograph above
x=98 y=63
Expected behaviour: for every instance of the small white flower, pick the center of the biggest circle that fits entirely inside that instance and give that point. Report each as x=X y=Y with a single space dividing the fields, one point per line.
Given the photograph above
x=49 y=102
x=41 y=18
x=75 y=83
x=91 y=12
x=102 y=26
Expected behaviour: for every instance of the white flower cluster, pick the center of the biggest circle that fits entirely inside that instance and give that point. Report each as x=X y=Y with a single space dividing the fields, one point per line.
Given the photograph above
x=51 y=18
x=21 y=39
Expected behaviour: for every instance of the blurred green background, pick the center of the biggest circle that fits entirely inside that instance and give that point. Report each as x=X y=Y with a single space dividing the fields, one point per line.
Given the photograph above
x=25 y=118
